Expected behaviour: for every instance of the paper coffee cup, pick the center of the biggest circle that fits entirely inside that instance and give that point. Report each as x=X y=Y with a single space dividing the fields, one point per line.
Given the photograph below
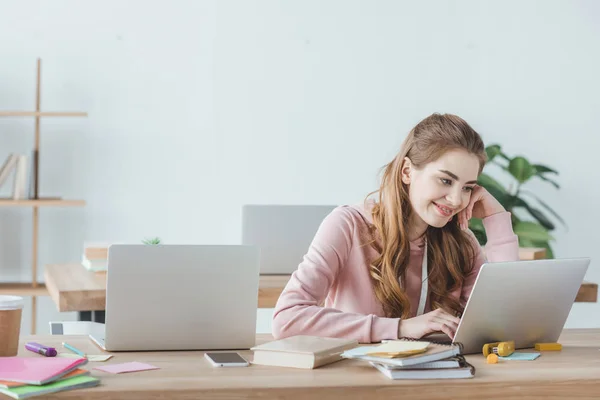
x=11 y=308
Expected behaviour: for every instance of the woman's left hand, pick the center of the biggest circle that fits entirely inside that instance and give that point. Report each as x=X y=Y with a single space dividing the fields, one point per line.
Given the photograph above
x=481 y=205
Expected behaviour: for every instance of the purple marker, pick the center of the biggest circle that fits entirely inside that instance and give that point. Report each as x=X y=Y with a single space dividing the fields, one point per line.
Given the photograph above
x=40 y=349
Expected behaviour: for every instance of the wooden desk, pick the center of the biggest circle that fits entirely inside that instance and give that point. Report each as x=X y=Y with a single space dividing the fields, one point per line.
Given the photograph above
x=573 y=372
x=73 y=288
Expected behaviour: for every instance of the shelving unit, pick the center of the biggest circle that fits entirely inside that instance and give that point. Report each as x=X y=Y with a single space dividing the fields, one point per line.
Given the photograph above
x=34 y=288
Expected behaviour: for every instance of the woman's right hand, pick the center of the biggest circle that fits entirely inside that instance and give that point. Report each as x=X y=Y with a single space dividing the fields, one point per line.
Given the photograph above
x=434 y=321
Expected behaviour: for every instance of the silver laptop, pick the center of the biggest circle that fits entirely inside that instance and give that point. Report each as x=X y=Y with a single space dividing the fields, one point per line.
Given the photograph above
x=180 y=297
x=524 y=301
x=283 y=233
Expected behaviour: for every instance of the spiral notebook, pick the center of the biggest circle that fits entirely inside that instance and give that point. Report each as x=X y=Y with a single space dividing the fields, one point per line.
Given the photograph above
x=462 y=371
x=435 y=351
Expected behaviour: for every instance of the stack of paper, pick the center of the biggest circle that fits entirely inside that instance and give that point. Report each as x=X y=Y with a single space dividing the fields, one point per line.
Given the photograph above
x=23 y=377
x=407 y=359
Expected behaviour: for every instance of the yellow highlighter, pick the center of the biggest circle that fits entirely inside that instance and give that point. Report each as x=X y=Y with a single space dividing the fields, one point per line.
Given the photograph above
x=548 y=346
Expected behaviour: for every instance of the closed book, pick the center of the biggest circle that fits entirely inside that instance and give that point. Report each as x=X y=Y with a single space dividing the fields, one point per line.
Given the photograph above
x=7 y=167
x=464 y=370
x=24 y=392
x=72 y=374
x=37 y=370
x=435 y=351
x=452 y=362
x=302 y=351
x=20 y=179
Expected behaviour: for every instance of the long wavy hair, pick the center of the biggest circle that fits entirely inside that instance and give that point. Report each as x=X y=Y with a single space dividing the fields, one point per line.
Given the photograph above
x=450 y=250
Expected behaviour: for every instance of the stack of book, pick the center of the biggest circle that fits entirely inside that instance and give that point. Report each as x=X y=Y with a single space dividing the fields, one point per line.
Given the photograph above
x=95 y=256
x=24 y=377
x=22 y=185
x=411 y=359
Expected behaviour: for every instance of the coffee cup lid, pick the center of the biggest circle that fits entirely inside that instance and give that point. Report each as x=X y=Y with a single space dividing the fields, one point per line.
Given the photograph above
x=11 y=302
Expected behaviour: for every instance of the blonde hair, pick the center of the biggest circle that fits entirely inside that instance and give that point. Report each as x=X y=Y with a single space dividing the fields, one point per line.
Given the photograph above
x=450 y=250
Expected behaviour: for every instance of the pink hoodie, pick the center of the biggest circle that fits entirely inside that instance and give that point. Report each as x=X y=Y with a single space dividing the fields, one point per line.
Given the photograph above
x=331 y=294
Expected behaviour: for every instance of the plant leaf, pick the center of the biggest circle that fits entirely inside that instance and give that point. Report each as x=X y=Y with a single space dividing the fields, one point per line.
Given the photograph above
x=549 y=252
x=492 y=151
x=521 y=169
x=488 y=182
x=532 y=231
x=546 y=206
x=542 y=177
x=151 y=241
x=542 y=169
x=524 y=242
x=494 y=188
x=476 y=226
x=535 y=213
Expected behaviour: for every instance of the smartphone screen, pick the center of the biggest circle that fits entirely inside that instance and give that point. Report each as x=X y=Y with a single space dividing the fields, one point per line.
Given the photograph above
x=226 y=358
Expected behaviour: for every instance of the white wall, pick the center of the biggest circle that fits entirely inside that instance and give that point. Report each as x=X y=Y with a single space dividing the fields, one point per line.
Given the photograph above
x=197 y=107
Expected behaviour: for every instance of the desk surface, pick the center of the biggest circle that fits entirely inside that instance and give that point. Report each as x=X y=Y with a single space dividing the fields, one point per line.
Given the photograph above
x=573 y=372
x=73 y=288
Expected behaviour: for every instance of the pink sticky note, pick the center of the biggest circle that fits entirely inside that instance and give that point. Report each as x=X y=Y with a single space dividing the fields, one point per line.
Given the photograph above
x=126 y=367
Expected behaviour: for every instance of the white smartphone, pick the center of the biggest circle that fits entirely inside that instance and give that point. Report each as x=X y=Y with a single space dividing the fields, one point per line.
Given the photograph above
x=227 y=359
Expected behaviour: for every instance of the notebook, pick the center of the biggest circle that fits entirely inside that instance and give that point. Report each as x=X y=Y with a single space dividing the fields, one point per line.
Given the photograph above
x=72 y=374
x=464 y=370
x=435 y=351
x=78 y=382
x=399 y=348
x=37 y=370
x=302 y=351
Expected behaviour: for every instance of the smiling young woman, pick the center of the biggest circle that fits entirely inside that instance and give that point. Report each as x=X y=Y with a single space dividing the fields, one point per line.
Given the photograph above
x=403 y=263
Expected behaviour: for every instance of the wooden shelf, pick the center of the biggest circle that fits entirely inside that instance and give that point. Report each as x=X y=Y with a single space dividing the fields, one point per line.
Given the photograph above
x=42 y=114
x=23 y=289
x=41 y=203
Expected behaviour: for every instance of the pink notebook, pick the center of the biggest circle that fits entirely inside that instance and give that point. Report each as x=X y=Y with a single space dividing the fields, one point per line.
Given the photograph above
x=37 y=370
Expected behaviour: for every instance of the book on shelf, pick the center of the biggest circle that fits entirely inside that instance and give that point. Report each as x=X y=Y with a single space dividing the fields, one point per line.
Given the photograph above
x=302 y=351
x=17 y=163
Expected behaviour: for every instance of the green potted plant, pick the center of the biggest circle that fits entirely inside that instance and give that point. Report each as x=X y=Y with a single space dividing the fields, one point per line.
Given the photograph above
x=151 y=241
x=530 y=223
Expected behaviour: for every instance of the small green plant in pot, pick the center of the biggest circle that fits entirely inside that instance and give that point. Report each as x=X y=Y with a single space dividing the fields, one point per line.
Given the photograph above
x=151 y=241
x=535 y=230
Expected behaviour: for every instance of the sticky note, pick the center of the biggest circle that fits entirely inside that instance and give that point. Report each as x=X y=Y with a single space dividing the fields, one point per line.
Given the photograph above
x=398 y=348
x=126 y=367
x=521 y=356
